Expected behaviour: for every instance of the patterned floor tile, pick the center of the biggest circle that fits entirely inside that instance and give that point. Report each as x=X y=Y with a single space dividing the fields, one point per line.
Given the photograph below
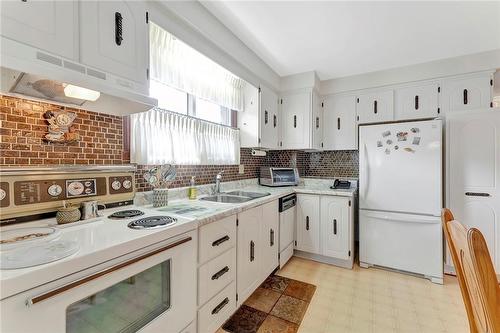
x=290 y=308
x=263 y=299
x=276 y=282
x=274 y=324
x=300 y=290
x=245 y=320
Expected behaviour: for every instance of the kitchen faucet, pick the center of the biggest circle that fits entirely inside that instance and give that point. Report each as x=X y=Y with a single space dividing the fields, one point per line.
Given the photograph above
x=218 y=177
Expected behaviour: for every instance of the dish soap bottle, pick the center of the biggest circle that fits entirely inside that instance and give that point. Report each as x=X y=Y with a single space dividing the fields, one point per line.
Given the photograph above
x=192 y=189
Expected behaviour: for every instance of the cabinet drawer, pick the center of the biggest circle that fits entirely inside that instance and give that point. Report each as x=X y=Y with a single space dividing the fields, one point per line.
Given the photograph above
x=215 y=275
x=216 y=238
x=213 y=314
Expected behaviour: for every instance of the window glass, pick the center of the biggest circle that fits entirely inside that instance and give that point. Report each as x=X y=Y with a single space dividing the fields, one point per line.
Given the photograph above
x=169 y=98
x=208 y=111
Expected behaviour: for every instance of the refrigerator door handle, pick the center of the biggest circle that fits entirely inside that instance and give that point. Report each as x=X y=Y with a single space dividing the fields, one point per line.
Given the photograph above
x=401 y=217
x=366 y=170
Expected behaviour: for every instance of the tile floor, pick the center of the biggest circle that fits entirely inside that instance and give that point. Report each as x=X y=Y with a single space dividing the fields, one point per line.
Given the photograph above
x=277 y=306
x=374 y=300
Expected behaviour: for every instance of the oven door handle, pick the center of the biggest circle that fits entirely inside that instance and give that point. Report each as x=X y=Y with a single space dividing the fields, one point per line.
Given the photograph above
x=55 y=292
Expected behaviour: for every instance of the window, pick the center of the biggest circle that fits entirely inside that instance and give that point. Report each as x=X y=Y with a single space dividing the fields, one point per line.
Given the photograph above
x=169 y=98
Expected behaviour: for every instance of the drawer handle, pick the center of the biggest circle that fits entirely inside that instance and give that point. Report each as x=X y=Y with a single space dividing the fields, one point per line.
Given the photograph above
x=307 y=222
x=266 y=117
x=294 y=121
x=220 y=241
x=275 y=121
x=220 y=306
x=217 y=275
x=416 y=102
x=118 y=28
x=252 y=251
x=466 y=97
x=271 y=236
x=477 y=194
x=375 y=109
x=338 y=123
x=334 y=226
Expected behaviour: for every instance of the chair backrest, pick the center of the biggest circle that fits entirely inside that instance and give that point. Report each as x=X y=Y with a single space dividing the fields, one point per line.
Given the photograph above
x=447 y=216
x=478 y=275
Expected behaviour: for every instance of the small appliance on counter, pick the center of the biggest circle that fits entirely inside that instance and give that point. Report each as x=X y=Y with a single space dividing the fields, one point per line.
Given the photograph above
x=275 y=177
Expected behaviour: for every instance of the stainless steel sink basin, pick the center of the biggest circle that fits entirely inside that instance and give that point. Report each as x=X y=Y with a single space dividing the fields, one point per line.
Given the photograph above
x=227 y=198
x=253 y=195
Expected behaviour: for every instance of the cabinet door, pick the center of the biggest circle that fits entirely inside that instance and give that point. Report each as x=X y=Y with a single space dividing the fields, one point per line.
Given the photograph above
x=269 y=122
x=317 y=125
x=115 y=38
x=473 y=173
x=339 y=116
x=296 y=115
x=335 y=227
x=375 y=107
x=467 y=93
x=270 y=238
x=46 y=25
x=249 y=249
x=417 y=102
x=308 y=223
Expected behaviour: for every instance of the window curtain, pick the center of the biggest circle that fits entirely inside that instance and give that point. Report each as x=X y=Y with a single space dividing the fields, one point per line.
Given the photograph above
x=180 y=66
x=159 y=136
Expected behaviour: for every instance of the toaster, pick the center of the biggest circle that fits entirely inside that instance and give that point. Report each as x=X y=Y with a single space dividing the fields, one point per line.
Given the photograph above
x=270 y=176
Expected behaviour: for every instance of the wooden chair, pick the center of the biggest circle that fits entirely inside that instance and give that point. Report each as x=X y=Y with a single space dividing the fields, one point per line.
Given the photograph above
x=447 y=216
x=477 y=278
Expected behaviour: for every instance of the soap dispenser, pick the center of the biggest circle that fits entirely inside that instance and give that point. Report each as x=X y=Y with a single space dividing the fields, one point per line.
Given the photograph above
x=192 y=189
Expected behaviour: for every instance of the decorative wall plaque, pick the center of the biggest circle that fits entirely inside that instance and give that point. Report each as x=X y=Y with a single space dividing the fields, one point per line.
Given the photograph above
x=61 y=129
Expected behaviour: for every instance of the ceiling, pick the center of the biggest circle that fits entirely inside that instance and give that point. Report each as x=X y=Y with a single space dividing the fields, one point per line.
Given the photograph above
x=338 y=39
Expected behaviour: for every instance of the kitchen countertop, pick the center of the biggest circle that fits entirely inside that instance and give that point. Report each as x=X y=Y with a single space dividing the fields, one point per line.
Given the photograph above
x=104 y=239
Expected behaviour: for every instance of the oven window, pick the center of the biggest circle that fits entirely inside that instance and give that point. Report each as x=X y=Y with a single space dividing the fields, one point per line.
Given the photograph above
x=124 y=307
x=281 y=176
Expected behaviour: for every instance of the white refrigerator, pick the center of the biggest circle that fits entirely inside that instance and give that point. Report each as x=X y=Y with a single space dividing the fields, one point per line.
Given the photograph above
x=400 y=197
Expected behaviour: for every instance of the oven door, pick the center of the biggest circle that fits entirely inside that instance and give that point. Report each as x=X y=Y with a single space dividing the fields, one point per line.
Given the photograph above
x=152 y=290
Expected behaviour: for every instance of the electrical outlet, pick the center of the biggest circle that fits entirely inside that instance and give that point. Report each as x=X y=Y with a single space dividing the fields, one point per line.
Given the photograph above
x=241 y=169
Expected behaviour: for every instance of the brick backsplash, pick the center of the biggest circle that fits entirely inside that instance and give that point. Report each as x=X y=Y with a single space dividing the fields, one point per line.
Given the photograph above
x=23 y=128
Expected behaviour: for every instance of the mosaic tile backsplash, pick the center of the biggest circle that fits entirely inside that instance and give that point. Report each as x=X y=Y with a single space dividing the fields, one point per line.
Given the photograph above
x=23 y=128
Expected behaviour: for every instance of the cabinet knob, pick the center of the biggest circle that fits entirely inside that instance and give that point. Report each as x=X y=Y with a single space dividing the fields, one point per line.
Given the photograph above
x=416 y=102
x=338 y=123
x=118 y=28
x=466 y=96
x=334 y=226
x=294 y=121
x=317 y=122
x=275 y=121
x=266 y=117
x=375 y=107
x=307 y=222
x=271 y=237
x=252 y=251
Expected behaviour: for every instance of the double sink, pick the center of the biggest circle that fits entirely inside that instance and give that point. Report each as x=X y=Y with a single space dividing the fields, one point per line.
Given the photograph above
x=235 y=196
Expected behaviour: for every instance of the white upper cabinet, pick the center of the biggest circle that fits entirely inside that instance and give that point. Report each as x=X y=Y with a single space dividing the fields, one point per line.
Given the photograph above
x=47 y=25
x=318 y=123
x=416 y=102
x=296 y=117
x=269 y=121
x=375 y=107
x=114 y=37
x=466 y=92
x=339 y=119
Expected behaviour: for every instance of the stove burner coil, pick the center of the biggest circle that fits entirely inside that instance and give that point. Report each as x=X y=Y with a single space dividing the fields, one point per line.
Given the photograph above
x=152 y=222
x=126 y=214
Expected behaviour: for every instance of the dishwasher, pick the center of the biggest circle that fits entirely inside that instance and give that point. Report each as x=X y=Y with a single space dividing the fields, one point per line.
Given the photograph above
x=287 y=227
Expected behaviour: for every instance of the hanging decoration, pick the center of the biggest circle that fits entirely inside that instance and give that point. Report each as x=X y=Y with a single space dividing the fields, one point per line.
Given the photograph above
x=61 y=129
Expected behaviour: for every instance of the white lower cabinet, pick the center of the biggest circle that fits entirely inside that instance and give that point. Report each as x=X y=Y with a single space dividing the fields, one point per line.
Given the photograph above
x=213 y=314
x=257 y=248
x=308 y=226
x=325 y=229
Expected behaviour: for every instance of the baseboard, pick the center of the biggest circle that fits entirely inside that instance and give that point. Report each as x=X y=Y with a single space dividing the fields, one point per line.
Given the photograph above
x=323 y=259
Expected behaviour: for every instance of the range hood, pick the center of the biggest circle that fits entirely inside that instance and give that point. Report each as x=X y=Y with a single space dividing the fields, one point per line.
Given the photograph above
x=46 y=89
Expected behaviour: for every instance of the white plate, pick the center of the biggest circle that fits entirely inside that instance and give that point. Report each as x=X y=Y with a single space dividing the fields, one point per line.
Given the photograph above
x=47 y=232
x=38 y=254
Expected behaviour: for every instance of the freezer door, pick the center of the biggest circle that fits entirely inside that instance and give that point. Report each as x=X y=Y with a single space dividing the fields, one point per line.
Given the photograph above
x=400 y=167
x=410 y=243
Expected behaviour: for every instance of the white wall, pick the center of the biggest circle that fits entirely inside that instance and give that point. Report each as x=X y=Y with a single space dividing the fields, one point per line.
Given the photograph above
x=197 y=27
x=435 y=69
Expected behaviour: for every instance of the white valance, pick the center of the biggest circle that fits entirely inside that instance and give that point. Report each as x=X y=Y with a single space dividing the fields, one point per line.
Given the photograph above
x=159 y=137
x=180 y=66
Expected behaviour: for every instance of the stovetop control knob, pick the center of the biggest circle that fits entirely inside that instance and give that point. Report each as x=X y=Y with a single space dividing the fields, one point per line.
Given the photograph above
x=116 y=185
x=127 y=184
x=54 y=190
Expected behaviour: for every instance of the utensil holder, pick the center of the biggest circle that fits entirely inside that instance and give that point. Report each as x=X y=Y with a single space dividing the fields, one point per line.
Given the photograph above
x=160 y=197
